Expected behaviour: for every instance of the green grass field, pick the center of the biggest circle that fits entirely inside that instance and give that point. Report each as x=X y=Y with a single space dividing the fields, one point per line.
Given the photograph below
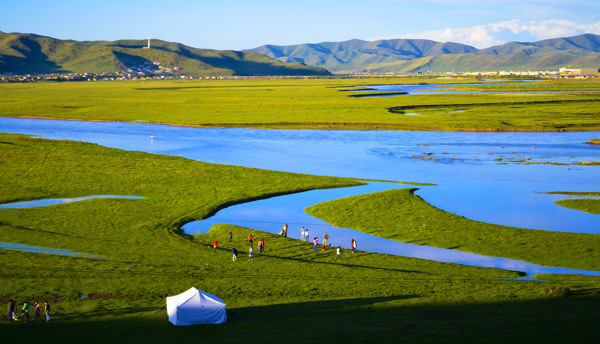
x=288 y=294
x=313 y=103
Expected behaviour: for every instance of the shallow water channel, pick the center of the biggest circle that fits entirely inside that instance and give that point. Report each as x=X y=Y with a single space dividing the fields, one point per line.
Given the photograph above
x=399 y=90
x=270 y=214
x=470 y=180
x=55 y=201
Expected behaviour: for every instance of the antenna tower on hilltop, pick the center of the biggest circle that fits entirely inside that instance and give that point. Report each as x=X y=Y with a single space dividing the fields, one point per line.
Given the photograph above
x=148 y=47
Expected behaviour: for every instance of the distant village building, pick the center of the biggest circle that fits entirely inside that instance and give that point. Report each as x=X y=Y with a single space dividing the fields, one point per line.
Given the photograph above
x=578 y=72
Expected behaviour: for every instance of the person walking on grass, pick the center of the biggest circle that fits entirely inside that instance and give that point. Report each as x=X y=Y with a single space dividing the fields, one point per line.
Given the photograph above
x=47 y=310
x=234 y=253
x=261 y=246
x=36 y=309
x=250 y=251
x=339 y=253
x=230 y=235
x=353 y=245
x=26 y=311
x=215 y=245
x=250 y=242
x=315 y=243
x=11 y=310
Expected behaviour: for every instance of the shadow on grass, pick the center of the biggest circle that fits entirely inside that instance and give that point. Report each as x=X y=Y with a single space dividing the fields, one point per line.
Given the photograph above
x=393 y=319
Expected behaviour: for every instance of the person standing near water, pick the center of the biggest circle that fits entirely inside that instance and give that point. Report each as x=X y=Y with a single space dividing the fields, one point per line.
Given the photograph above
x=306 y=234
x=302 y=233
x=325 y=237
x=285 y=227
x=353 y=245
x=339 y=253
x=316 y=243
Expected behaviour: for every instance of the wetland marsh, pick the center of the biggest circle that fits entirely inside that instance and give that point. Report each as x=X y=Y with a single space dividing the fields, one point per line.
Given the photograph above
x=146 y=256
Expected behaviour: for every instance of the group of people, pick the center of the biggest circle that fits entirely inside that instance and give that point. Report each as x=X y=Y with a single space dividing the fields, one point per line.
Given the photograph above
x=304 y=235
x=12 y=305
x=234 y=251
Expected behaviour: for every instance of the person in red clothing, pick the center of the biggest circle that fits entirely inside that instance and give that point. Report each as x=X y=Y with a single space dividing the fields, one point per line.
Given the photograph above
x=215 y=245
x=250 y=242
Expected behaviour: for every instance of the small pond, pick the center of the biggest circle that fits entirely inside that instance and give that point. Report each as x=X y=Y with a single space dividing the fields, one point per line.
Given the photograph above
x=43 y=250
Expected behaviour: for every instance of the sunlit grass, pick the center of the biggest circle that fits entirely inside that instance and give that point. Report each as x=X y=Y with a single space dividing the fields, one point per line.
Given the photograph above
x=311 y=103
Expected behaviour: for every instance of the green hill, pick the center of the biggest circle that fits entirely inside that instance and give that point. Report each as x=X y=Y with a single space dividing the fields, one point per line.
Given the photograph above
x=477 y=62
x=30 y=53
x=419 y=55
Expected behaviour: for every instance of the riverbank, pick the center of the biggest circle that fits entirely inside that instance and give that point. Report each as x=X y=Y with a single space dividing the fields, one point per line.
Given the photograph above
x=311 y=104
x=403 y=216
x=146 y=258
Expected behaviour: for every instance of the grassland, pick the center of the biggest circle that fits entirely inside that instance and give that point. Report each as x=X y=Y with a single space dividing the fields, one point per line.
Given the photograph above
x=410 y=219
x=287 y=294
x=587 y=205
x=313 y=103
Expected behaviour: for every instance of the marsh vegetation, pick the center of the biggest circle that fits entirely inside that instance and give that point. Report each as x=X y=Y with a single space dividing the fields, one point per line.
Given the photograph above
x=136 y=253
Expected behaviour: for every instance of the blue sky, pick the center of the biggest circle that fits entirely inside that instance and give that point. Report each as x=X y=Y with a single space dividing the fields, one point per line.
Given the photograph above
x=237 y=25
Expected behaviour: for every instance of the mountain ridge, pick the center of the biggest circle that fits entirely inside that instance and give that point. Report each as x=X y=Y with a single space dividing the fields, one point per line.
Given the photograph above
x=412 y=55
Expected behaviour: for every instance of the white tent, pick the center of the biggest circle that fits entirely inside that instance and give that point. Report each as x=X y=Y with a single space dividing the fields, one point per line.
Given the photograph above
x=195 y=307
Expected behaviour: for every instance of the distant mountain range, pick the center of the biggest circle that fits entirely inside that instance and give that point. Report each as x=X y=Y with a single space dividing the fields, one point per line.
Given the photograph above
x=30 y=53
x=420 y=55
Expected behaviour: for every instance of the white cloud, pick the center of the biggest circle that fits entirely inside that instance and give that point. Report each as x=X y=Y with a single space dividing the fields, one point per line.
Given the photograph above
x=483 y=36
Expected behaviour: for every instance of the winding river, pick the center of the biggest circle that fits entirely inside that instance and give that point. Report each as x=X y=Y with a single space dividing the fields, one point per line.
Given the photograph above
x=492 y=177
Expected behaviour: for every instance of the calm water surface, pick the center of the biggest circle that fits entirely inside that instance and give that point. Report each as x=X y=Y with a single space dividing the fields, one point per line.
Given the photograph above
x=270 y=214
x=464 y=166
x=55 y=201
x=470 y=182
